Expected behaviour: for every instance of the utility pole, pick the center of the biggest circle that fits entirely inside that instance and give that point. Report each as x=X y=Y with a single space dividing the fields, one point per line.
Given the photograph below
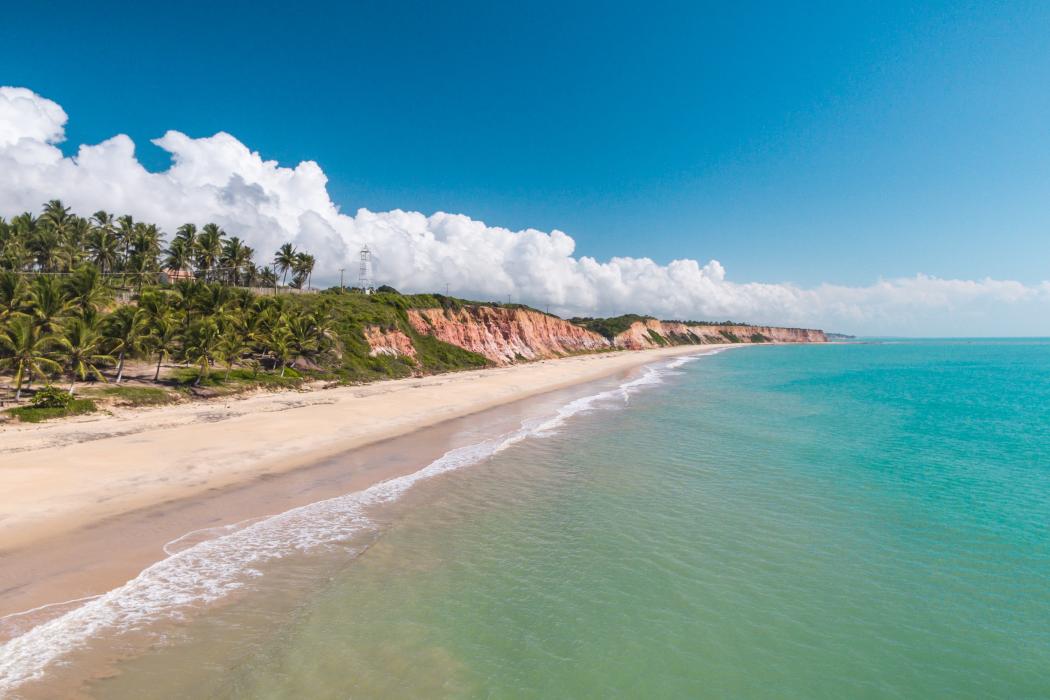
x=446 y=288
x=341 y=278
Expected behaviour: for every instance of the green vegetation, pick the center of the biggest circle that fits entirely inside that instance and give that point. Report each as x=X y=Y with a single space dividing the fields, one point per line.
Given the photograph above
x=709 y=323
x=389 y=311
x=657 y=338
x=80 y=299
x=136 y=395
x=759 y=338
x=441 y=301
x=730 y=337
x=683 y=339
x=49 y=403
x=610 y=327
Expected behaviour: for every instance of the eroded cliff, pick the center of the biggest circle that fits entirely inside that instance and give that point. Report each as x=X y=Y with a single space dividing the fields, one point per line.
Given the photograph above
x=506 y=335
x=650 y=333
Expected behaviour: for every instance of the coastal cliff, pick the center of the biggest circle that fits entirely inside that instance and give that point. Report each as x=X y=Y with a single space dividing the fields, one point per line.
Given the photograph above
x=651 y=333
x=505 y=335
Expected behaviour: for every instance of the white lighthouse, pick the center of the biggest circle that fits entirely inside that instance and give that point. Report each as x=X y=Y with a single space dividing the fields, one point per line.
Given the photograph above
x=364 y=276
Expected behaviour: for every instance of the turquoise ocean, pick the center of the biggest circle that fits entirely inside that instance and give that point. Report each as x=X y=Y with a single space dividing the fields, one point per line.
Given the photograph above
x=862 y=520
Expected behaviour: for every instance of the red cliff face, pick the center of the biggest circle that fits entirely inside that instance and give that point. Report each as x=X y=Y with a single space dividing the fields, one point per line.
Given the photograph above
x=640 y=335
x=506 y=335
x=509 y=335
x=389 y=342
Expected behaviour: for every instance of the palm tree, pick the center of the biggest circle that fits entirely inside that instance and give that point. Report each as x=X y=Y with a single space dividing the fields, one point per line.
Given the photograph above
x=164 y=333
x=160 y=325
x=232 y=346
x=236 y=257
x=284 y=260
x=59 y=233
x=187 y=233
x=215 y=301
x=45 y=247
x=279 y=345
x=81 y=345
x=86 y=290
x=303 y=267
x=14 y=244
x=266 y=277
x=125 y=234
x=184 y=299
x=145 y=247
x=321 y=325
x=124 y=331
x=26 y=351
x=56 y=216
x=48 y=303
x=209 y=248
x=301 y=338
x=202 y=346
x=102 y=244
x=179 y=255
x=13 y=295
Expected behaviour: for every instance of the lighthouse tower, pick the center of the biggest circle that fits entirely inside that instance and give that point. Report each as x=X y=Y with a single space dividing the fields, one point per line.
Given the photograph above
x=364 y=276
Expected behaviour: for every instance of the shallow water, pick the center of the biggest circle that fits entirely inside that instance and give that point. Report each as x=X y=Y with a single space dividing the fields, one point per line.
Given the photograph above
x=863 y=520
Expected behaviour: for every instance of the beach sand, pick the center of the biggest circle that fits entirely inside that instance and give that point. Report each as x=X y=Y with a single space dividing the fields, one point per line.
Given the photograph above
x=87 y=503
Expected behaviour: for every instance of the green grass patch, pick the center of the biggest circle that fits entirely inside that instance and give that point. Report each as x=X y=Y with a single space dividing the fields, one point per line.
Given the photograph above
x=136 y=395
x=239 y=378
x=33 y=414
x=657 y=338
x=759 y=338
x=683 y=339
x=731 y=337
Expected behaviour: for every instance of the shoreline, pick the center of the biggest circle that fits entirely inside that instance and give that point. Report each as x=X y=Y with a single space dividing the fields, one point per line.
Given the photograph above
x=159 y=474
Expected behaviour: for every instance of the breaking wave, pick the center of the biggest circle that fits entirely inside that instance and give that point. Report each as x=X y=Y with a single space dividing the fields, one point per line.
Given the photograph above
x=208 y=570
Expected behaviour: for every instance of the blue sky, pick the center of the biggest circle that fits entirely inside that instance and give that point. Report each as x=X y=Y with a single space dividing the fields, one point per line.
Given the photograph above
x=837 y=143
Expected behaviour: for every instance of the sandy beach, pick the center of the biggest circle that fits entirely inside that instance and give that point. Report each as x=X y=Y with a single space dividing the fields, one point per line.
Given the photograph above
x=86 y=503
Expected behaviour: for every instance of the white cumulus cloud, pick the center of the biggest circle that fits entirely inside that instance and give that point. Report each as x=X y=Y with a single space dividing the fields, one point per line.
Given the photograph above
x=219 y=179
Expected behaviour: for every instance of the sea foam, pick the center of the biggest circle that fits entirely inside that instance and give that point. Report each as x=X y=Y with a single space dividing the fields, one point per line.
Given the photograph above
x=206 y=571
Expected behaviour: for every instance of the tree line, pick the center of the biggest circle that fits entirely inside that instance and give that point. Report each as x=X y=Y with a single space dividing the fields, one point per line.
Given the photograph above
x=135 y=252
x=61 y=320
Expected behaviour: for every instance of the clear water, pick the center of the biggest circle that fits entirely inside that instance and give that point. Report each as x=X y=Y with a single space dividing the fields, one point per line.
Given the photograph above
x=867 y=520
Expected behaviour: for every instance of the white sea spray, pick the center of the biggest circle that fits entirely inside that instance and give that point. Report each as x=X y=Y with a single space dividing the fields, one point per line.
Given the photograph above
x=206 y=571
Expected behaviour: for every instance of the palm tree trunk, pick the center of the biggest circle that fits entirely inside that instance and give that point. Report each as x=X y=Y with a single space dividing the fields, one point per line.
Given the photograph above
x=120 y=367
x=156 y=375
x=73 y=386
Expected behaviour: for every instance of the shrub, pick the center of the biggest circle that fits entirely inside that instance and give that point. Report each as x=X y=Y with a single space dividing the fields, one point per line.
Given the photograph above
x=52 y=397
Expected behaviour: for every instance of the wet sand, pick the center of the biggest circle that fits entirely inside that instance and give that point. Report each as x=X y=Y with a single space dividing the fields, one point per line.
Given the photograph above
x=85 y=505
